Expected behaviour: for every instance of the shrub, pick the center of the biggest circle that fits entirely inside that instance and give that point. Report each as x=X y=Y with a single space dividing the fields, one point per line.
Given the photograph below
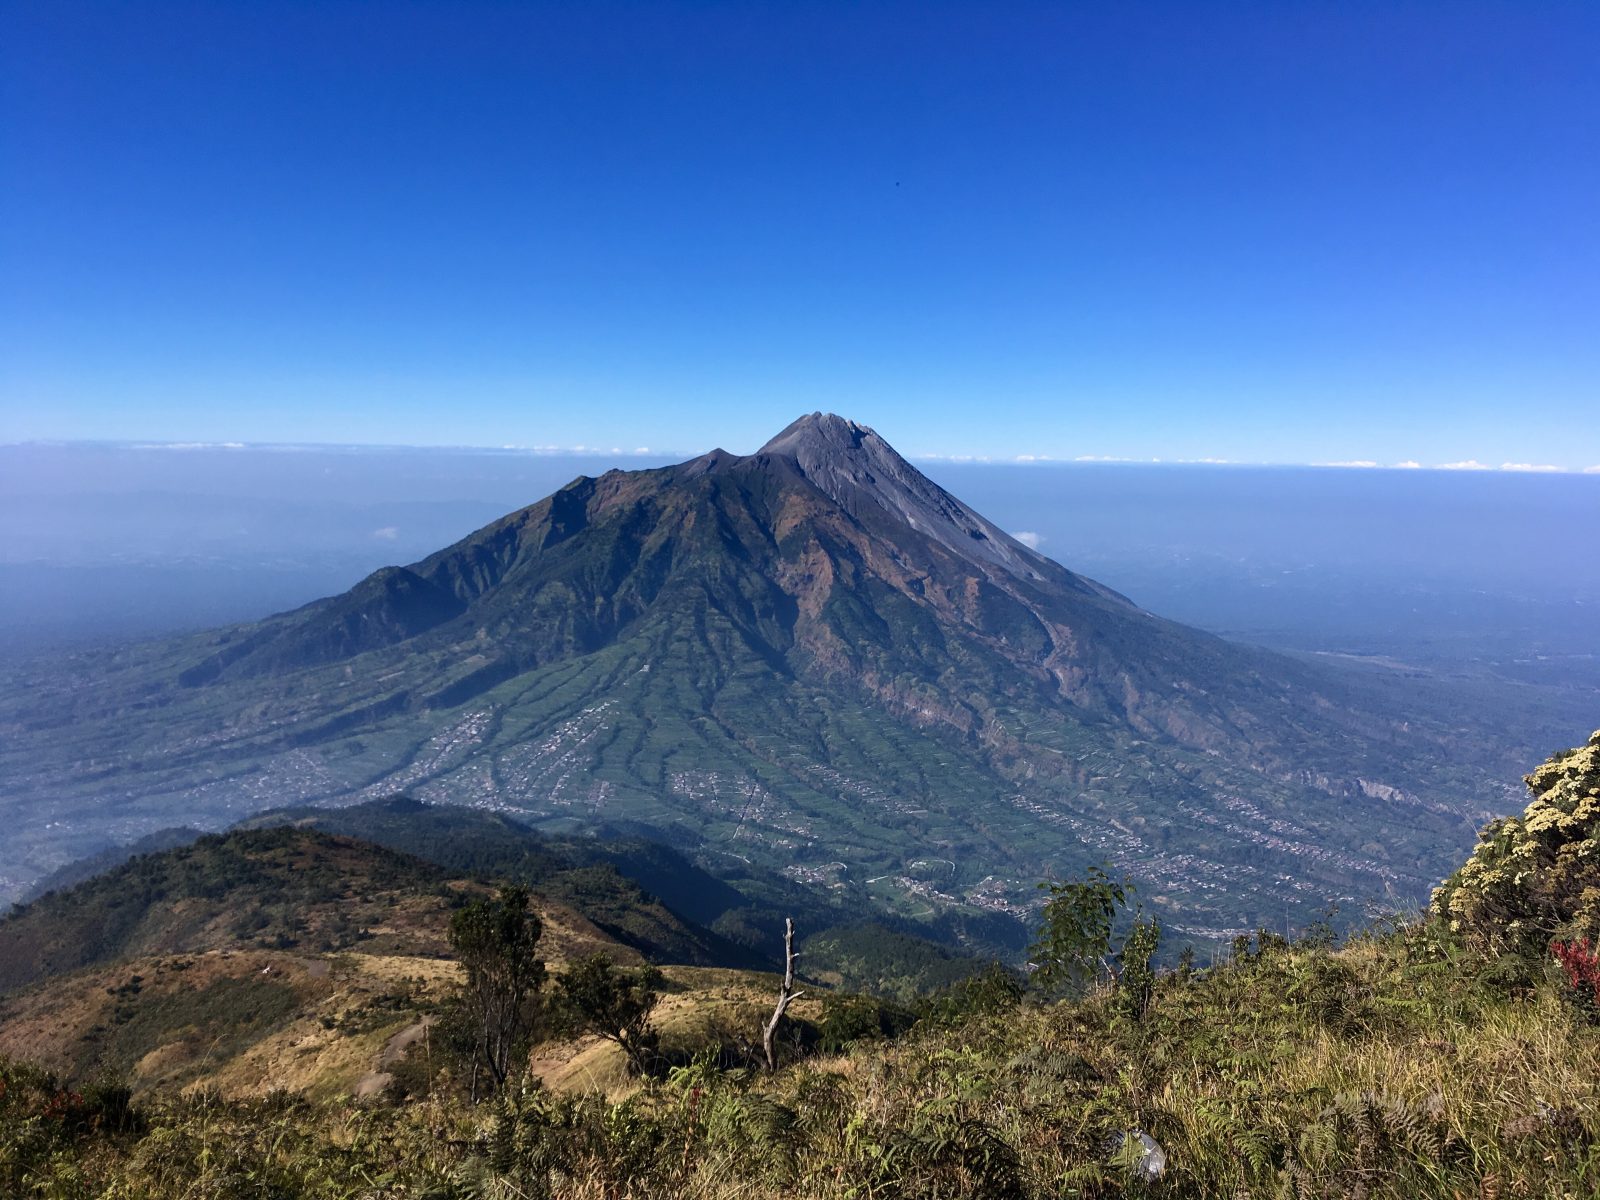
x=995 y=989
x=1581 y=964
x=848 y=1019
x=1534 y=878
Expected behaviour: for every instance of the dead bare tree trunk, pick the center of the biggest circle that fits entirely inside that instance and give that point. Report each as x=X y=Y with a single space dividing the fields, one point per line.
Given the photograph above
x=786 y=996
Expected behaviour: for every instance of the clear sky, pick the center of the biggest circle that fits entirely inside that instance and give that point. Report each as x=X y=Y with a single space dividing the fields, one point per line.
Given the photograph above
x=1288 y=232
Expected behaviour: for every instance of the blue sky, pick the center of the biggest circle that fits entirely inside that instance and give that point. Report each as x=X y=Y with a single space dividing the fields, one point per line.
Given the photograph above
x=1272 y=233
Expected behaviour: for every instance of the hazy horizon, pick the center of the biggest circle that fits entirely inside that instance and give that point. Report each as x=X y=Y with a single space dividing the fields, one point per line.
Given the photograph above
x=648 y=454
x=1441 y=569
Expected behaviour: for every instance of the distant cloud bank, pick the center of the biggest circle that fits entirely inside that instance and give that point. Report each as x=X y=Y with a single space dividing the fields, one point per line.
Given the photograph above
x=617 y=451
x=187 y=446
x=359 y=448
x=582 y=449
x=1473 y=464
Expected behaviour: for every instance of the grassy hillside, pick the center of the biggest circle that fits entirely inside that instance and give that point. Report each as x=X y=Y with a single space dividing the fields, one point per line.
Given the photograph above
x=240 y=1021
x=1447 y=1058
x=1389 y=1069
x=278 y=957
x=280 y=888
x=621 y=884
x=654 y=898
x=615 y=881
x=284 y=888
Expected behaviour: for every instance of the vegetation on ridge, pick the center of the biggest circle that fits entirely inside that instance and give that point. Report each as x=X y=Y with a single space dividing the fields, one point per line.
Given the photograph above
x=1386 y=1069
x=1420 y=1060
x=1536 y=877
x=642 y=893
x=273 y=889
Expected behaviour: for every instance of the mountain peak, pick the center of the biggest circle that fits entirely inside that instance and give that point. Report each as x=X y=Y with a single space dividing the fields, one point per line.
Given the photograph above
x=867 y=477
x=819 y=431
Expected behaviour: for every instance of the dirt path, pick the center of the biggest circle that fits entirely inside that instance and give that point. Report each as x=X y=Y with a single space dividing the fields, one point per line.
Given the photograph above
x=394 y=1050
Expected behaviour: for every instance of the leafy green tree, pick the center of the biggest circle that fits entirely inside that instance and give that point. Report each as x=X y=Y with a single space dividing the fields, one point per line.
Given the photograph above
x=496 y=941
x=1072 y=947
x=600 y=998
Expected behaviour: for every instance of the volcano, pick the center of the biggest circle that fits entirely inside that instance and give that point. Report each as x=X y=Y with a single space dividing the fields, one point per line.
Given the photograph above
x=810 y=659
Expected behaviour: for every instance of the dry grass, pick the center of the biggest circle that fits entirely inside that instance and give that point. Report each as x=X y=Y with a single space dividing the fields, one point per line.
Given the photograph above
x=1377 y=1071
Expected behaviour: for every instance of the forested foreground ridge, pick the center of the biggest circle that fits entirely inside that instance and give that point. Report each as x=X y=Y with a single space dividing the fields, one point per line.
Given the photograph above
x=1453 y=1055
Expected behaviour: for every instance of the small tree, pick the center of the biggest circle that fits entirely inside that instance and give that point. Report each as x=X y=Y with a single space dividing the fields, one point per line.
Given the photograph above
x=1138 y=982
x=1072 y=947
x=599 y=998
x=495 y=940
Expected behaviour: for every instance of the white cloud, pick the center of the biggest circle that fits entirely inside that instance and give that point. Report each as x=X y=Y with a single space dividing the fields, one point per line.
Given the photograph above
x=1028 y=538
x=1100 y=458
x=1594 y=470
x=1027 y=458
x=641 y=449
x=388 y=533
x=1470 y=464
x=188 y=446
x=1410 y=464
x=1542 y=468
x=1359 y=462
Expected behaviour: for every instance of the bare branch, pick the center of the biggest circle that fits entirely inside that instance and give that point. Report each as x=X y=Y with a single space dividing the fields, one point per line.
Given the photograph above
x=787 y=995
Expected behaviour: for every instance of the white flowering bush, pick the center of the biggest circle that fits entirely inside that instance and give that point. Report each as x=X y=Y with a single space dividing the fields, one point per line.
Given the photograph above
x=1535 y=878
